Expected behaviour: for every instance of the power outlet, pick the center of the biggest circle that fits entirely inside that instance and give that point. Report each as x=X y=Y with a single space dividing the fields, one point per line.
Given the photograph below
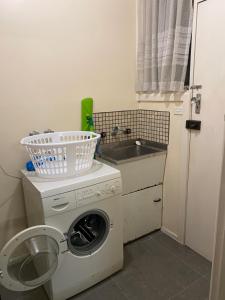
x=179 y=111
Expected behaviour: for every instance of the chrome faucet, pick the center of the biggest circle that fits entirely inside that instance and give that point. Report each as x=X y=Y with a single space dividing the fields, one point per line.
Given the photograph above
x=116 y=130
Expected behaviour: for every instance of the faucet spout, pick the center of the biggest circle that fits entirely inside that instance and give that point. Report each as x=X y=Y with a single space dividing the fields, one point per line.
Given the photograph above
x=116 y=130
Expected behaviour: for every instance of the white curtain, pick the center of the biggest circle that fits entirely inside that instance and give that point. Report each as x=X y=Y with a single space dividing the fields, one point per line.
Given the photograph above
x=164 y=35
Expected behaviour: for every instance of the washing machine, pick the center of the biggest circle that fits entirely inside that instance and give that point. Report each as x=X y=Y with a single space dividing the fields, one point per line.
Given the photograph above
x=74 y=238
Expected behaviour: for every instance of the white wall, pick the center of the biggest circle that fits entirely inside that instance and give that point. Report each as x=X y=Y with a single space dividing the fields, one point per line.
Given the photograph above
x=52 y=54
x=174 y=187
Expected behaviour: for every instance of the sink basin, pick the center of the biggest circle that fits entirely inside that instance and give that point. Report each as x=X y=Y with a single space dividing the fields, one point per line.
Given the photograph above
x=128 y=150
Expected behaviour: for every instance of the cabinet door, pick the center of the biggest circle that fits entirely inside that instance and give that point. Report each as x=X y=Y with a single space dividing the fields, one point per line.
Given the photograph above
x=142 y=173
x=142 y=212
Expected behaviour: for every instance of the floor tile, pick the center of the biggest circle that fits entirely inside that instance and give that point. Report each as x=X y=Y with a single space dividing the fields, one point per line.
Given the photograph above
x=160 y=268
x=37 y=294
x=156 y=268
x=107 y=290
x=134 y=287
x=188 y=256
x=199 y=290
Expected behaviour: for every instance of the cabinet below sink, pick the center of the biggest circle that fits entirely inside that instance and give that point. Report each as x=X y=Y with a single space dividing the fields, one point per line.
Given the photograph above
x=142 y=212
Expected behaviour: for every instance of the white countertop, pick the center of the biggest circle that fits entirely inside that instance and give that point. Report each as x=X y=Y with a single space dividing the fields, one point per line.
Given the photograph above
x=99 y=172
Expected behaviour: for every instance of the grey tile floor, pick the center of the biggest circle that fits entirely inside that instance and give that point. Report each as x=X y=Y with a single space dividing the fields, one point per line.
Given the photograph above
x=156 y=268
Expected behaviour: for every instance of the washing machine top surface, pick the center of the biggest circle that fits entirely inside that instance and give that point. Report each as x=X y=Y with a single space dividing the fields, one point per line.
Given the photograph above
x=99 y=172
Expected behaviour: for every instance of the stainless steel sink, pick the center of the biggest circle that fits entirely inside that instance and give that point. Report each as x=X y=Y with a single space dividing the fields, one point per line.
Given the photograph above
x=129 y=150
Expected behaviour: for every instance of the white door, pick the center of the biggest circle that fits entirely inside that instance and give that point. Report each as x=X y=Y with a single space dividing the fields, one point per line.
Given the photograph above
x=206 y=145
x=31 y=257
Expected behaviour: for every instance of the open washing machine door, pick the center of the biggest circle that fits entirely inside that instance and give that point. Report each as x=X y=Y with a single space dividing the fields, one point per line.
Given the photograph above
x=31 y=257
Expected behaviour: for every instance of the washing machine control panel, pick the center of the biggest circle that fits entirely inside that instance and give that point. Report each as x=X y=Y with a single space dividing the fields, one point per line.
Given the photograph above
x=68 y=201
x=98 y=192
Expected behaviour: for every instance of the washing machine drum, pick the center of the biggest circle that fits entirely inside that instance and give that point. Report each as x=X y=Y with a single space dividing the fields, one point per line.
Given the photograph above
x=88 y=232
x=31 y=257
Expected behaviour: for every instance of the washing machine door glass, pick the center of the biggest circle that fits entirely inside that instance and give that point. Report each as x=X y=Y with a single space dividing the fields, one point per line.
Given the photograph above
x=88 y=232
x=30 y=258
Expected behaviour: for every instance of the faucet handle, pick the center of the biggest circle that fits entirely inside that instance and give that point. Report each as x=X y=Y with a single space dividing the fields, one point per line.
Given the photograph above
x=127 y=131
x=103 y=134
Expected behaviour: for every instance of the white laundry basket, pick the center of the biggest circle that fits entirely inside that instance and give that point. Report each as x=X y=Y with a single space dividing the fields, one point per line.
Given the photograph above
x=61 y=154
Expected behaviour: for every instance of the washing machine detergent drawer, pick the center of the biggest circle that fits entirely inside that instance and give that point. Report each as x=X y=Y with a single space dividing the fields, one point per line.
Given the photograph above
x=60 y=203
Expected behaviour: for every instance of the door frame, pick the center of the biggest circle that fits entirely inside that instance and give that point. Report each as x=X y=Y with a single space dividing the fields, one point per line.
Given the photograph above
x=186 y=138
x=218 y=266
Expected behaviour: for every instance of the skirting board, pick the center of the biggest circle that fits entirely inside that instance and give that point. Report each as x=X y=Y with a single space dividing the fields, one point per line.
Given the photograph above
x=169 y=233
